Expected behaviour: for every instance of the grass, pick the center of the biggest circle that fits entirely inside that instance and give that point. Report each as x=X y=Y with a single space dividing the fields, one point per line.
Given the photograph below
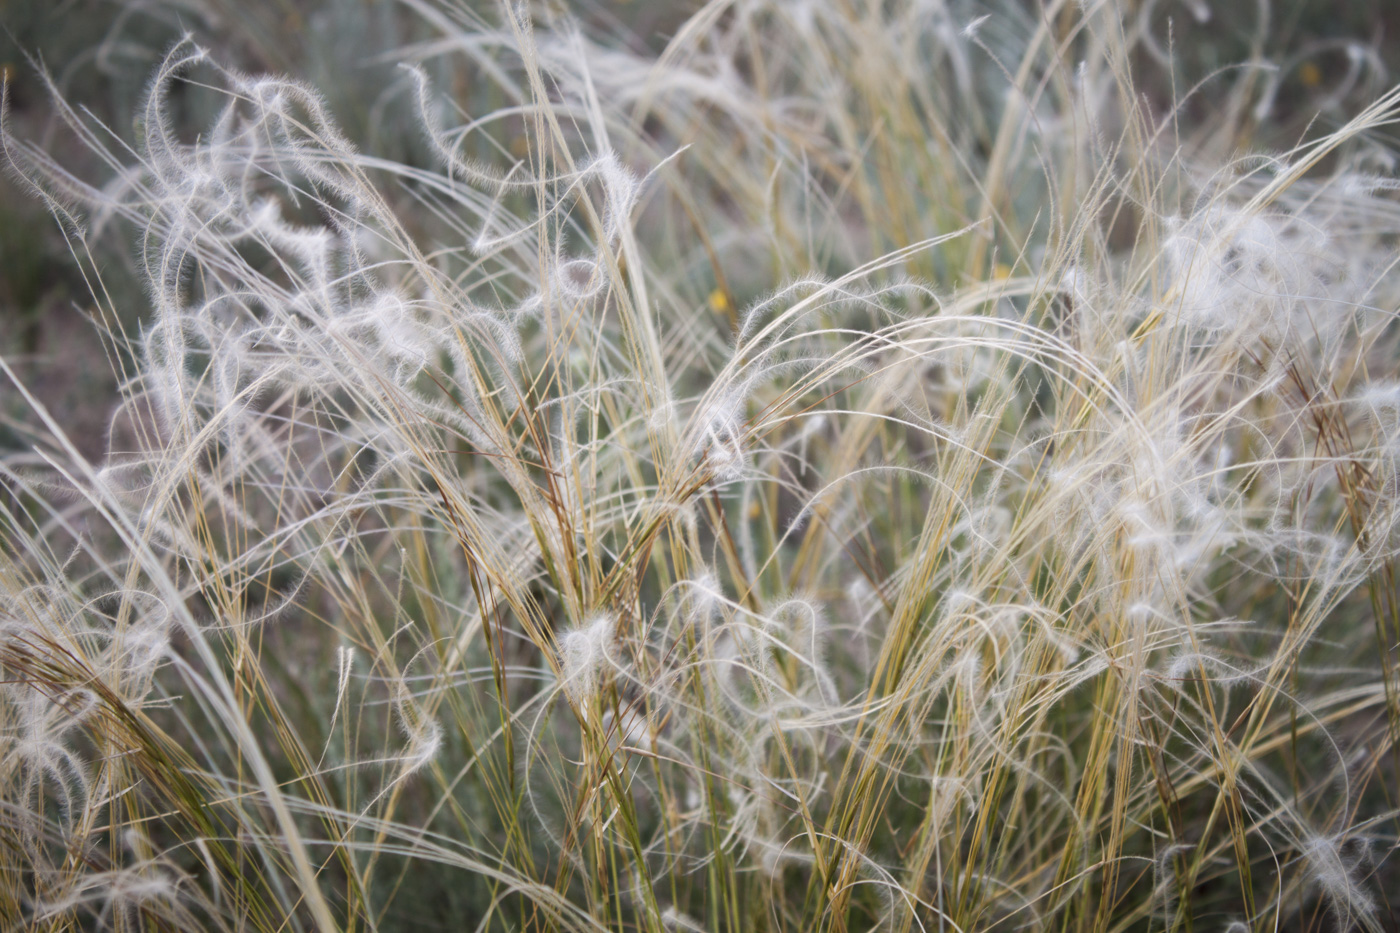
x=898 y=466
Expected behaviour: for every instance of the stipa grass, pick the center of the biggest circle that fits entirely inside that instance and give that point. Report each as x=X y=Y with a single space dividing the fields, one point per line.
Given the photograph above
x=853 y=470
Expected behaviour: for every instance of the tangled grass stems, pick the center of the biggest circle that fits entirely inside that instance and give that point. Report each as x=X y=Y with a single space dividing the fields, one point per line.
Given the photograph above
x=847 y=470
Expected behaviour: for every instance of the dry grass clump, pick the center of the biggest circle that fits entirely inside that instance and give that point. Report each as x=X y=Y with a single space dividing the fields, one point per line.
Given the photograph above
x=902 y=467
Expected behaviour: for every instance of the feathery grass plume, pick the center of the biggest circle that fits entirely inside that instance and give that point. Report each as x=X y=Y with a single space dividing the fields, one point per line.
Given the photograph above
x=1351 y=904
x=943 y=453
x=583 y=659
